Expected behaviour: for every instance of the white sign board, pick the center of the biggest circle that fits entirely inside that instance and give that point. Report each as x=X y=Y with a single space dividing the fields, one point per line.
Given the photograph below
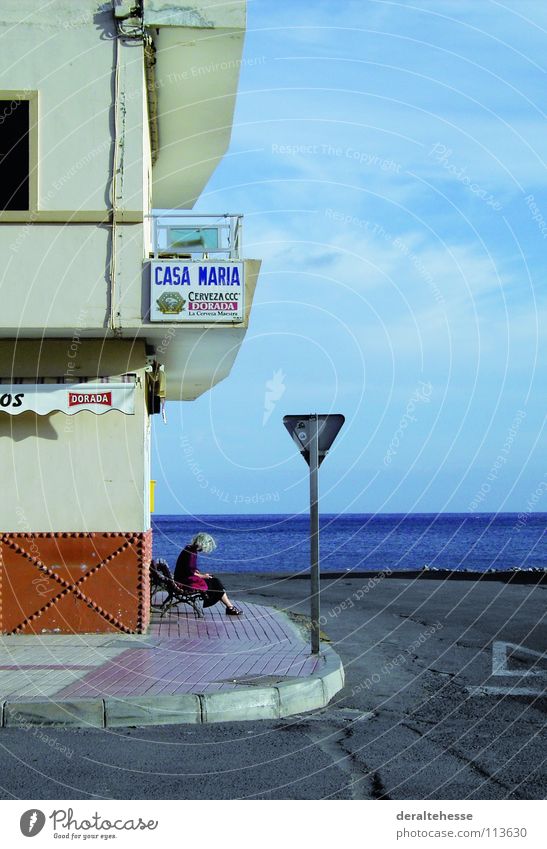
x=196 y=291
x=69 y=398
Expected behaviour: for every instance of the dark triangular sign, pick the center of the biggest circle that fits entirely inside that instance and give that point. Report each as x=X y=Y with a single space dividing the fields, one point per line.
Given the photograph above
x=329 y=426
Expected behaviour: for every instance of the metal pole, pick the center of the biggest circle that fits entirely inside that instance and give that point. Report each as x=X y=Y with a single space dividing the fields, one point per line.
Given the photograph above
x=314 y=532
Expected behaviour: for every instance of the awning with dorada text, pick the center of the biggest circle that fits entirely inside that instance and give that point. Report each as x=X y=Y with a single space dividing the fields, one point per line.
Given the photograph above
x=70 y=398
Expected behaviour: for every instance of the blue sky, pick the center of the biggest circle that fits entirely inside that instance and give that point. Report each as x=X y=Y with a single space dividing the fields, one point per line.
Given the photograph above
x=389 y=159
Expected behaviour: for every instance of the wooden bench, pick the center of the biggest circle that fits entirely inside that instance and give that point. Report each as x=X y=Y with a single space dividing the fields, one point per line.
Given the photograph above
x=161 y=580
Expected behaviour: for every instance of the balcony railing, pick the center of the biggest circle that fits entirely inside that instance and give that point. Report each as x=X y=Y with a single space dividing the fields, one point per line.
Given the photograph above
x=191 y=236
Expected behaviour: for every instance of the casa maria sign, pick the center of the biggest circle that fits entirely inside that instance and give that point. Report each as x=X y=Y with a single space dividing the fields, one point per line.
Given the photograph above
x=196 y=291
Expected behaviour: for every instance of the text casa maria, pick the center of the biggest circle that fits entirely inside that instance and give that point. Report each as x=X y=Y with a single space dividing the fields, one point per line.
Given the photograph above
x=209 y=275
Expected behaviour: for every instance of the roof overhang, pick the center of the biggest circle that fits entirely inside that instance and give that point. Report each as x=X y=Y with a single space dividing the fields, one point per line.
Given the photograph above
x=198 y=59
x=196 y=358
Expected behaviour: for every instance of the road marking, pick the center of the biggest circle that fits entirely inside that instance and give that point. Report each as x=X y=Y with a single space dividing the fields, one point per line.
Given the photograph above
x=504 y=691
x=499 y=660
x=500 y=670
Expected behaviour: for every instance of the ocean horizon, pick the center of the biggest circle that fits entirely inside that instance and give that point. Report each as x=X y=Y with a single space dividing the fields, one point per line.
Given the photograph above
x=361 y=541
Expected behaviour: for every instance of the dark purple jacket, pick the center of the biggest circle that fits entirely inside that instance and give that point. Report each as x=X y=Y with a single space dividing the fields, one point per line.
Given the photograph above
x=185 y=570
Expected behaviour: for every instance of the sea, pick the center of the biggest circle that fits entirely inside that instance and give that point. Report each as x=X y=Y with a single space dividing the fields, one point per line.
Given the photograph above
x=362 y=542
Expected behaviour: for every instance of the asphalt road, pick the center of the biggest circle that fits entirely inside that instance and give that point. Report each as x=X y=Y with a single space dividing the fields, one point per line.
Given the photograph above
x=444 y=699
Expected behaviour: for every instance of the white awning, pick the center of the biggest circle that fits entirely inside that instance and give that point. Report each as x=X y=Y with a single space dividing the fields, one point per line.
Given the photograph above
x=69 y=398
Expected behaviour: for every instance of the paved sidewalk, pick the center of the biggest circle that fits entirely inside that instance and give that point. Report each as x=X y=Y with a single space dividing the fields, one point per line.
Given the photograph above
x=185 y=669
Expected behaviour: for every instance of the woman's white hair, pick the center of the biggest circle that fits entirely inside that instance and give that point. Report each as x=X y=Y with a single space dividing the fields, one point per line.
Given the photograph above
x=204 y=542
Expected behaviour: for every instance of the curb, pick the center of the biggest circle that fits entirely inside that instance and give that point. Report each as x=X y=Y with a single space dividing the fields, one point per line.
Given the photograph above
x=276 y=701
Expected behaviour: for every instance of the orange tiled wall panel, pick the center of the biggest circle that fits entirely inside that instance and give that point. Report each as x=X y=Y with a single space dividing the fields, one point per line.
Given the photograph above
x=74 y=583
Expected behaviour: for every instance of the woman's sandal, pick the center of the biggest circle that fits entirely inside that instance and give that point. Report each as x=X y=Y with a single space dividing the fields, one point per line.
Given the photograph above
x=233 y=611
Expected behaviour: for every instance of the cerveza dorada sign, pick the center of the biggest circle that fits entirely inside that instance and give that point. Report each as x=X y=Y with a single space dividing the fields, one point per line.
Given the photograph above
x=196 y=291
x=45 y=398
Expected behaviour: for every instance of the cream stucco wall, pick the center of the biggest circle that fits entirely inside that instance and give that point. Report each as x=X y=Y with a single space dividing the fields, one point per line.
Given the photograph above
x=73 y=264
x=75 y=473
x=55 y=276
x=197 y=75
x=66 y=51
x=72 y=254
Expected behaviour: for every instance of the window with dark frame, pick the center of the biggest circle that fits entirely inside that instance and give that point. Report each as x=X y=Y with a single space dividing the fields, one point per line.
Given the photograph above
x=14 y=155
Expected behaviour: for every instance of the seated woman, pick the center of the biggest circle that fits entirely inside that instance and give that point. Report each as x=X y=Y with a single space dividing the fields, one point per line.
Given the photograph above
x=186 y=573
